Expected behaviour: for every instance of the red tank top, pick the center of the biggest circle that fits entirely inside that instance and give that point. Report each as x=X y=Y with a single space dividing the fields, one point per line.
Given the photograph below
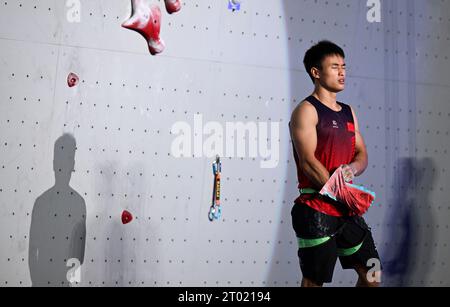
x=335 y=146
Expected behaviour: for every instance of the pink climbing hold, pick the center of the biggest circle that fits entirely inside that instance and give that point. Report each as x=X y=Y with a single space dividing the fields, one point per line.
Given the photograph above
x=173 y=6
x=72 y=79
x=146 y=21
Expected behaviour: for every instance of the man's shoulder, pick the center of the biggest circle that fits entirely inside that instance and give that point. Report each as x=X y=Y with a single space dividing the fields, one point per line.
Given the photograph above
x=303 y=105
x=304 y=110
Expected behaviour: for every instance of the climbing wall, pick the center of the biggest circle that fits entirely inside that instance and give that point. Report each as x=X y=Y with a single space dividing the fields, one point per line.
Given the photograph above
x=94 y=192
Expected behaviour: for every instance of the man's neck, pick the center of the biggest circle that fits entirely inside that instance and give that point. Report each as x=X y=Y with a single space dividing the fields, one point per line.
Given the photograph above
x=326 y=97
x=62 y=184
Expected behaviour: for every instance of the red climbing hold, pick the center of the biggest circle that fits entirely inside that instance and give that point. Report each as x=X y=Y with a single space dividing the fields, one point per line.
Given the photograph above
x=146 y=21
x=126 y=217
x=173 y=6
x=72 y=79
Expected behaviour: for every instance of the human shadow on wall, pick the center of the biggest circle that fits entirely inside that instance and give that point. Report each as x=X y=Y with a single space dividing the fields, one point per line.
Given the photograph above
x=58 y=223
x=410 y=230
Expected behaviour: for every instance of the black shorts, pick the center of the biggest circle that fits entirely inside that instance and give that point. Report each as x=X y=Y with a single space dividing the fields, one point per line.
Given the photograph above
x=323 y=238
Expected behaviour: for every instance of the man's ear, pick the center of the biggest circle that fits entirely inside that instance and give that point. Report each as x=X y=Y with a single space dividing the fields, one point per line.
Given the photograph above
x=315 y=73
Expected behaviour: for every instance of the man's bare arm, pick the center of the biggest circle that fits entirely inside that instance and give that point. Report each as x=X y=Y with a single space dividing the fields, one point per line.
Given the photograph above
x=304 y=136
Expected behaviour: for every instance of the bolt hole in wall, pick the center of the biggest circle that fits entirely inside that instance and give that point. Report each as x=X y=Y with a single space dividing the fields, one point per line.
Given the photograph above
x=113 y=114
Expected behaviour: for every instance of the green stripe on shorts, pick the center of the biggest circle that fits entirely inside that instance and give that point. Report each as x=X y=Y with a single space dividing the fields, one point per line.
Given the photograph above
x=308 y=191
x=348 y=251
x=306 y=243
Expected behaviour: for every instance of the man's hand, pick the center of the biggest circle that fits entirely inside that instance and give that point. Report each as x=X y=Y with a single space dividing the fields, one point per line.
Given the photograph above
x=349 y=172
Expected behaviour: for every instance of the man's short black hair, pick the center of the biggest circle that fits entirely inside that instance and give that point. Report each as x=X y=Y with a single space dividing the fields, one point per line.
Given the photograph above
x=317 y=53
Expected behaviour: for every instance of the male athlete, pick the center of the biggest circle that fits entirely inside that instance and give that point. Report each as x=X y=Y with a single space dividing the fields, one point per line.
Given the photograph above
x=326 y=136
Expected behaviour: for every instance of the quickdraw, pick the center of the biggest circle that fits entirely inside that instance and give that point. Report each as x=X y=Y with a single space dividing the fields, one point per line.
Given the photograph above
x=215 y=212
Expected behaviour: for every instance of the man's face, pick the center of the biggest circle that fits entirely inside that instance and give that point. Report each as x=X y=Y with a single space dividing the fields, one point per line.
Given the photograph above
x=332 y=74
